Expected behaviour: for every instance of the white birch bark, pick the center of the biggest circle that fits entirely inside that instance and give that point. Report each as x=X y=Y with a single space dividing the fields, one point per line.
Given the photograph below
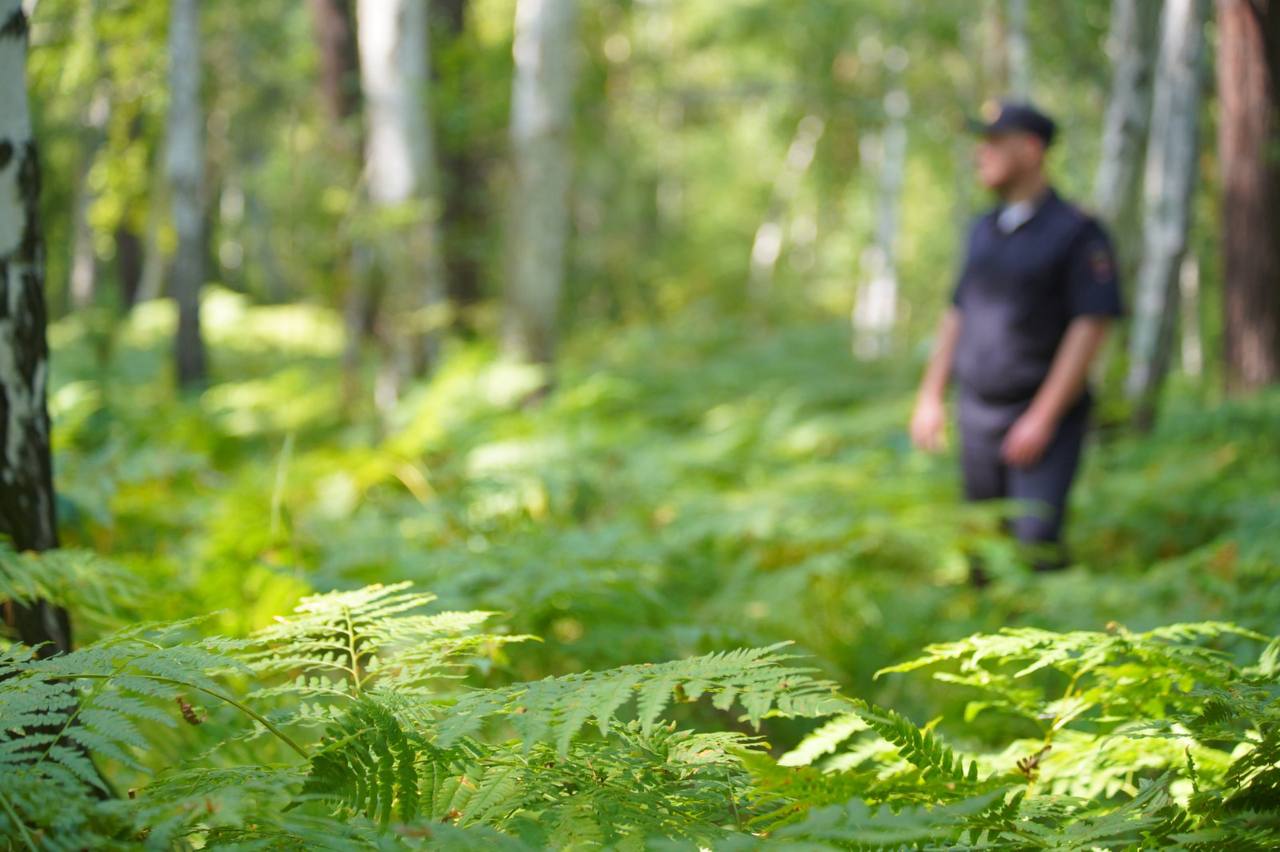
x=1131 y=44
x=541 y=120
x=184 y=162
x=1192 y=346
x=1170 y=179
x=1019 y=50
x=84 y=257
x=402 y=178
x=766 y=247
x=27 y=513
x=876 y=305
x=151 y=281
x=84 y=260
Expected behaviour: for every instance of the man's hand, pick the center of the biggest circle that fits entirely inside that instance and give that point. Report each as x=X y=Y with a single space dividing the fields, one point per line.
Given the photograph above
x=929 y=420
x=928 y=424
x=1028 y=438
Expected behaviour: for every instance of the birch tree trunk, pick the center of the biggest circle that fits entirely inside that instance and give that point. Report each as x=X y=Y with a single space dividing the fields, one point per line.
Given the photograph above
x=876 y=307
x=1019 y=51
x=84 y=260
x=541 y=120
x=401 y=171
x=26 y=472
x=1117 y=189
x=766 y=247
x=1170 y=180
x=154 y=259
x=185 y=167
x=1248 y=145
x=1191 y=339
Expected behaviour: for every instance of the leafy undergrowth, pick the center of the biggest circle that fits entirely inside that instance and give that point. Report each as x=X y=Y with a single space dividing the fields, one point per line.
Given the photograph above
x=684 y=493
x=344 y=725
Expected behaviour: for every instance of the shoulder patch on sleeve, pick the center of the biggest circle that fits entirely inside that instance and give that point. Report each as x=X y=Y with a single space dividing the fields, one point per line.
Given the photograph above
x=1101 y=263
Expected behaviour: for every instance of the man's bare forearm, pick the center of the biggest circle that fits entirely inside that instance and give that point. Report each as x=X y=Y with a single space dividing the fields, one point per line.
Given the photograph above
x=1070 y=369
x=934 y=384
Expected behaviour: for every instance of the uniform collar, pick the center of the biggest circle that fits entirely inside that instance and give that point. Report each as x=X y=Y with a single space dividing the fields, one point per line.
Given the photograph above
x=1011 y=217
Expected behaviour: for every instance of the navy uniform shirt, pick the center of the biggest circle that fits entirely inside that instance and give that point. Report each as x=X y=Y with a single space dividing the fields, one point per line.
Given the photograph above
x=1020 y=290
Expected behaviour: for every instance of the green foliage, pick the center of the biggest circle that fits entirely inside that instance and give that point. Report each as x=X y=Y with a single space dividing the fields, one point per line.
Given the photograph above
x=723 y=479
x=371 y=638
x=643 y=512
x=406 y=758
x=77 y=579
x=62 y=713
x=556 y=709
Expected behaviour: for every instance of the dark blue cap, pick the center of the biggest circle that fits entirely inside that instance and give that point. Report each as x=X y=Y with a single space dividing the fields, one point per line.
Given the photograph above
x=1014 y=117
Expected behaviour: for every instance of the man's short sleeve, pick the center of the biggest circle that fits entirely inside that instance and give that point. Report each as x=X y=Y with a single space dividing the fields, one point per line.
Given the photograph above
x=1093 y=286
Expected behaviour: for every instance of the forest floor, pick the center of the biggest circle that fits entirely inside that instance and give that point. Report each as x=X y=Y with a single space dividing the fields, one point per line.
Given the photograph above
x=684 y=490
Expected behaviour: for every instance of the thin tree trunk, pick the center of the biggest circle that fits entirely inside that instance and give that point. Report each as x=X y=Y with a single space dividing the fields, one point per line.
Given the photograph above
x=995 y=53
x=334 y=26
x=1019 y=51
x=154 y=259
x=1249 y=151
x=129 y=264
x=27 y=514
x=463 y=174
x=84 y=259
x=875 y=309
x=402 y=175
x=185 y=165
x=1117 y=189
x=339 y=72
x=541 y=120
x=766 y=247
x=1192 y=348
x=1170 y=179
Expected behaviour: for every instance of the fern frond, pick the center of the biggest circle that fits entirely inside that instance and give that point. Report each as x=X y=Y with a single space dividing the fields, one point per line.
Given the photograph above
x=346 y=643
x=922 y=748
x=105 y=700
x=378 y=765
x=556 y=709
x=370 y=764
x=1145 y=821
x=824 y=740
x=97 y=697
x=80 y=580
x=858 y=825
x=1074 y=651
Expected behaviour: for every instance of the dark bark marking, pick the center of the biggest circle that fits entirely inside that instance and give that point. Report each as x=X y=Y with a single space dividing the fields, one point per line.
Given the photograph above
x=16 y=26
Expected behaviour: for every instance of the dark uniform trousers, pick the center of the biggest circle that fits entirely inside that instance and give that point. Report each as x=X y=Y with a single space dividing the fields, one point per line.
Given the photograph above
x=1043 y=487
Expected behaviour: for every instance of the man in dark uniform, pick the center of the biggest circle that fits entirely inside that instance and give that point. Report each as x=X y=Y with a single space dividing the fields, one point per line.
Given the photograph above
x=1029 y=312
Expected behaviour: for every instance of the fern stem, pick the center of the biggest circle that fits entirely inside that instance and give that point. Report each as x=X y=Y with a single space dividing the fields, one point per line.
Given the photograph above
x=258 y=717
x=351 y=646
x=71 y=718
x=13 y=815
x=243 y=708
x=1057 y=718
